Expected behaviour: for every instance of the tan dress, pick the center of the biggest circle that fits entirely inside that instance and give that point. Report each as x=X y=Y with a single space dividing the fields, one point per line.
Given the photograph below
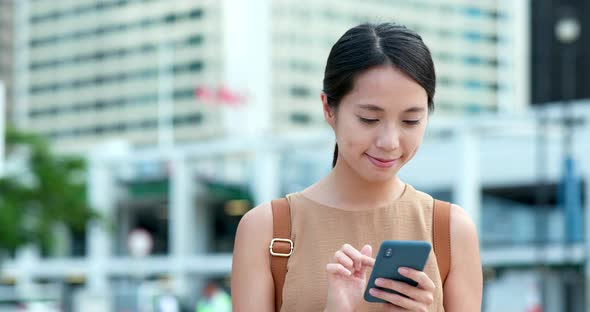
x=318 y=231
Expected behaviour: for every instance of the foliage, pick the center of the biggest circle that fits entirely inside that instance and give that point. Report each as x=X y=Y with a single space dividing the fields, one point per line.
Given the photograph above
x=48 y=191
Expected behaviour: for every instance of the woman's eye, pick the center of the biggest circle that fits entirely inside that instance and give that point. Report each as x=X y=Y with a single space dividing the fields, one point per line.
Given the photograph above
x=367 y=120
x=412 y=122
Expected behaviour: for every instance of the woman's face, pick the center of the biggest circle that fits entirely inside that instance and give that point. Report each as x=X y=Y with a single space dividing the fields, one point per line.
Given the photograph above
x=380 y=124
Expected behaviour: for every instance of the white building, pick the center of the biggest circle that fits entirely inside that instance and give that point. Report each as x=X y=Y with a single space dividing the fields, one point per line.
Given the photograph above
x=475 y=45
x=98 y=69
x=93 y=70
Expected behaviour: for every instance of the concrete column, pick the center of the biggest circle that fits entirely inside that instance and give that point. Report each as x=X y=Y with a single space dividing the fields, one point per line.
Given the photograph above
x=515 y=98
x=247 y=66
x=467 y=185
x=265 y=175
x=102 y=198
x=200 y=222
x=27 y=259
x=181 y=223
x=553 y=299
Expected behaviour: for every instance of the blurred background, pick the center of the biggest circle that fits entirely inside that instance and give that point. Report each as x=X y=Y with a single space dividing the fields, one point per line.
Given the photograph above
x=134 y=134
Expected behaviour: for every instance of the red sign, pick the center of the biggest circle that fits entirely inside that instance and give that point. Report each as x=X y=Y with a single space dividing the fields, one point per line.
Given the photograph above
x=221 y=95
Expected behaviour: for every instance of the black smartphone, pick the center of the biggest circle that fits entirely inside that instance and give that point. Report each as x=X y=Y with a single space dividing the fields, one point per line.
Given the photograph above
x=392 y=255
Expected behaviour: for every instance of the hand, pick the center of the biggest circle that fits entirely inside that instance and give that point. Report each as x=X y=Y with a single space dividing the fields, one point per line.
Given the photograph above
x=419 y=297
x=347 y=277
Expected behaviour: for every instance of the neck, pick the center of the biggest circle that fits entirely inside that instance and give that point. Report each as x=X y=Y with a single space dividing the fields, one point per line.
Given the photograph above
x=347 y=189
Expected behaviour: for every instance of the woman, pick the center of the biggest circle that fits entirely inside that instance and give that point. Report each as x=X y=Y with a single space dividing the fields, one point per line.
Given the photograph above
x=378 y=92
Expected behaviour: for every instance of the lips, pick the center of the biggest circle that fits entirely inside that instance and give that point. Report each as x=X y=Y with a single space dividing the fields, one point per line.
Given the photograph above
x=382 y=162
x=383 y=159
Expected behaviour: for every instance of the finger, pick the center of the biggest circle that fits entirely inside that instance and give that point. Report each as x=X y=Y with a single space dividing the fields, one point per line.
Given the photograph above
x=418 y=294
x=355 y=255
x=395 y=299
x=337 y=269
x=368 y=261
x=367 y=252
x=424 y=282
x=342 y=258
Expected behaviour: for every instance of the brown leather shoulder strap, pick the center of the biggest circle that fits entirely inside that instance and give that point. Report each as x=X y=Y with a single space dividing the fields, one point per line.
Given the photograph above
x=281 y=246
x=441 y=236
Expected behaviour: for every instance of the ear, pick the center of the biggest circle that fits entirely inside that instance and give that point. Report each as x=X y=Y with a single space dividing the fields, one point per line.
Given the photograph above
x=329 y=113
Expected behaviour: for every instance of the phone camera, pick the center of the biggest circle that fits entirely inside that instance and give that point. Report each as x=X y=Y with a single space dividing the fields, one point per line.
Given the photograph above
x=388 y=253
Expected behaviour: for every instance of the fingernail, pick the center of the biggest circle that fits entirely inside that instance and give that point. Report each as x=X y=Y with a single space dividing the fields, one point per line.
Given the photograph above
x=373 y=291
x=403 y=271
x=379 y=282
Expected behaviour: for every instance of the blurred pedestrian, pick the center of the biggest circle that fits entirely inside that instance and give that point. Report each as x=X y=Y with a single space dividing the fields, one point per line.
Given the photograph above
x=214 y=299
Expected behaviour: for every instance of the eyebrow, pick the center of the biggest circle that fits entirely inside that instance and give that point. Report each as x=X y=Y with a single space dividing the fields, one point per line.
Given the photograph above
x=371 y=107
x=414 y=109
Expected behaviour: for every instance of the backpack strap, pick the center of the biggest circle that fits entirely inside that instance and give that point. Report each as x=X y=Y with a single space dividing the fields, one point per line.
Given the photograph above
x=281 y=246
x=441 y=236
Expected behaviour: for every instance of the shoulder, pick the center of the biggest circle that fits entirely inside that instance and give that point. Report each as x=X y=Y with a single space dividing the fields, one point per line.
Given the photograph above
x=463 y=229
x=252 y=282
x=464 y=238
x=464 y=286
x=258 y=214
x=256 y=223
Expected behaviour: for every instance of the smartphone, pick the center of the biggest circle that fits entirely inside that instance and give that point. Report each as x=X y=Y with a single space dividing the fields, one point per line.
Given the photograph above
x=392 y=255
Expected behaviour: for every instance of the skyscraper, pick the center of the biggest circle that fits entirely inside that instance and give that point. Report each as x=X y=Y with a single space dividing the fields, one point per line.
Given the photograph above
x=143 y=70
x=99 y=69
x=477 y=49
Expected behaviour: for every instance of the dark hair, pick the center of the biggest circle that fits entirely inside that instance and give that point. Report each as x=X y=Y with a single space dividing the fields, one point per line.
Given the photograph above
x=370 y=45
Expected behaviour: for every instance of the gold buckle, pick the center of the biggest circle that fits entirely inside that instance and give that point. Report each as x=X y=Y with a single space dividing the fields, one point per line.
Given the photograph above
x=279 y=254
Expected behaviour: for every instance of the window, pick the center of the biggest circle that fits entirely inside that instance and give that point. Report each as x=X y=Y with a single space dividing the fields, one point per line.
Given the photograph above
x=191 y=119
x=472 y=60
x=472 y=36
x=473 y=12
x=300 y=118
x=300 y=91
x=196 y=13
x=472 y=84
x=170 y=18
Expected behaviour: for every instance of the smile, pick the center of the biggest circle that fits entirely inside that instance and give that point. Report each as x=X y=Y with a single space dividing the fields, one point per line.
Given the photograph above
x=381 y=163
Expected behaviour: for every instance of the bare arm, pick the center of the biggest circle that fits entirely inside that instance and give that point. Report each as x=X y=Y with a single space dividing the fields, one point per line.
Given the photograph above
x=463 y=289
x=251 y=280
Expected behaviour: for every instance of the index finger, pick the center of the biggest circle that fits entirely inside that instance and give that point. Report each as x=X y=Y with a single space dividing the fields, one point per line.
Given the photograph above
x=358 y=258
x=368 y=261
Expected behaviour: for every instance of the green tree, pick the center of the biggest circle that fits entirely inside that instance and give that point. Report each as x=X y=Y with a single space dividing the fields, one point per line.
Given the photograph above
x=47 y=191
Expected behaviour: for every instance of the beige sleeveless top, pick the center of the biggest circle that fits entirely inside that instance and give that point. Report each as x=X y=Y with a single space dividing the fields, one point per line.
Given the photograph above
x=319 y=231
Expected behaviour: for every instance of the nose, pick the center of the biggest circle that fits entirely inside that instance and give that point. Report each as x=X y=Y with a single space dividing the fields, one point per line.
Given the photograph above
x=388 y=138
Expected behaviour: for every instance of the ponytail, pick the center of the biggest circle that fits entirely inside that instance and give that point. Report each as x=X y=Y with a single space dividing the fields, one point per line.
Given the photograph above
x=335 y=155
